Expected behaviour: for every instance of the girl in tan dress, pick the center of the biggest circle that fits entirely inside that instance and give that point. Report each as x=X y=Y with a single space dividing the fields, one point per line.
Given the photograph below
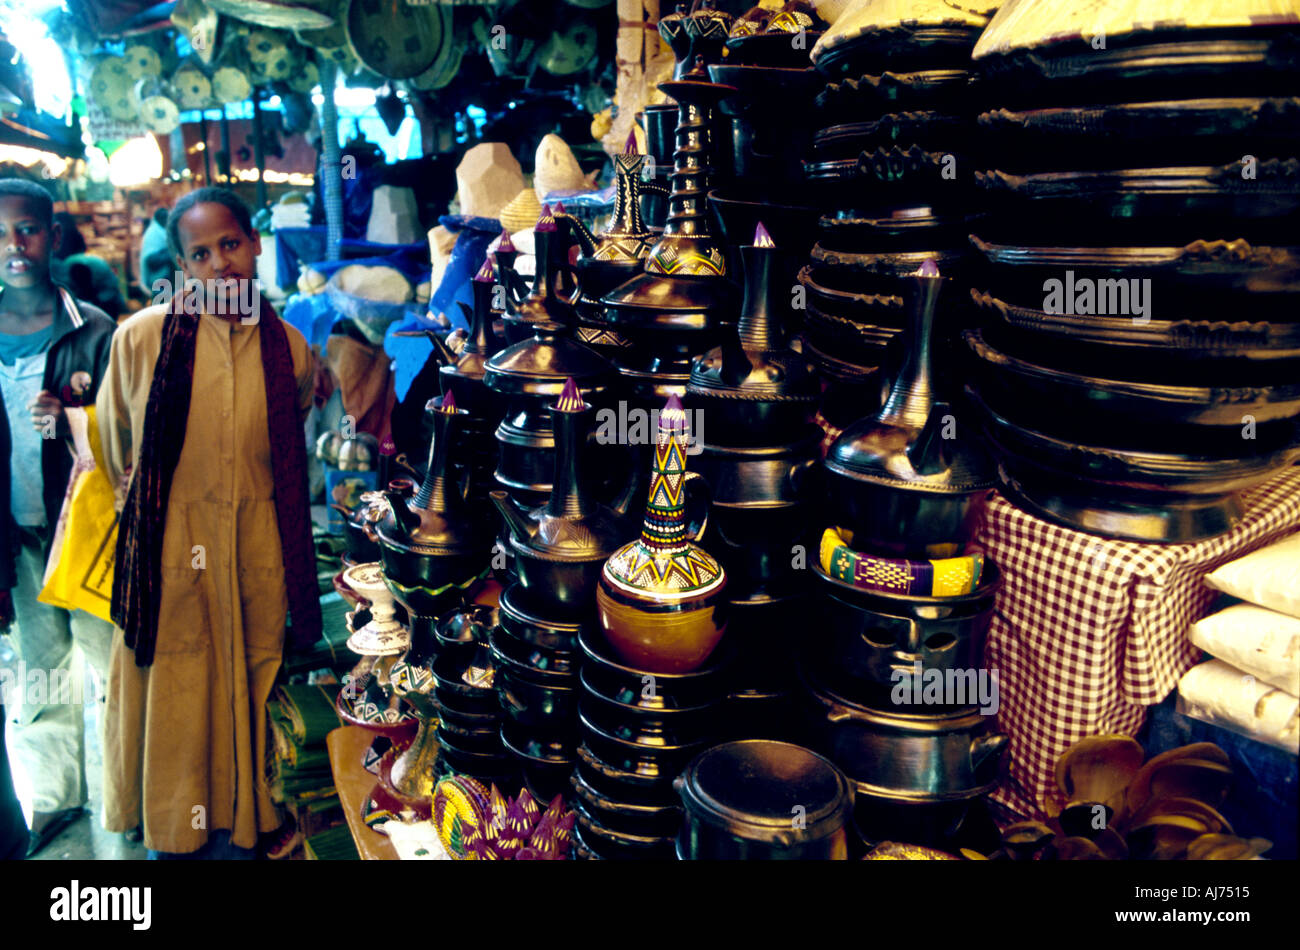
x=201 y=420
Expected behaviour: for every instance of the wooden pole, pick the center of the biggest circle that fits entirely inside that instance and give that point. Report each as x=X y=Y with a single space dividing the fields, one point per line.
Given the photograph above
x=207 y=149
x=223 y=165
x=259 y=153
x=331 y=168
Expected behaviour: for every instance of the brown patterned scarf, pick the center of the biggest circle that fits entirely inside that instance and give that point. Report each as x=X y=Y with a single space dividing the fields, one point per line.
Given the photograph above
x=137 y=581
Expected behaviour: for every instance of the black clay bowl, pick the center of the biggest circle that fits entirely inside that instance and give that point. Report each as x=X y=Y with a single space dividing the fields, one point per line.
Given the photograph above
x=486 y=741
x=904 y=520
x=1154 y=276
x=488 y=759
x=546 y=764
x=615 y=846
x=651 y=821
x=758 y=420
x=861 y=371
x=660 y=762
x=597 y=278
x=792 y=226
x=769 y=93
x=459 y=722
x=466 y=626
x=903 y=230
x=453 y=692
x=417 y=574
x=775 y=50
x=869 y=272
x=755 y=478
x=562 y=588
x=761 y=715
x=551 y=666
x=536 y=705
x=522 y=615
x=613 y=679
x=623 y=786
x=909 y=47
x=647 y=727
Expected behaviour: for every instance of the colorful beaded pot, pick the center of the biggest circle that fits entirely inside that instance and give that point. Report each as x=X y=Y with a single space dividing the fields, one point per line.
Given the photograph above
x=660 y=597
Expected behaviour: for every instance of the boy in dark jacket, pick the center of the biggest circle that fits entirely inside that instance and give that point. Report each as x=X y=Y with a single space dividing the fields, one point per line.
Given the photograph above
x=53 y=352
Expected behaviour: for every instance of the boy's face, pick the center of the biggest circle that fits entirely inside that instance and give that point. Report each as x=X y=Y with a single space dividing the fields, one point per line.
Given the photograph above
x=26 y=239
x=215 y=248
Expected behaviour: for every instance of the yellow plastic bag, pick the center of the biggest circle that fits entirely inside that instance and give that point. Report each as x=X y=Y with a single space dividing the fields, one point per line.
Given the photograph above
x=79 y=574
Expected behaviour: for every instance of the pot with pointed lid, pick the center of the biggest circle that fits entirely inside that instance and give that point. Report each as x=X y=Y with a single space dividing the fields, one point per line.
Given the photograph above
x=908 y=480
x=754 y=389
x=672 y=311
x=543 y=303
x=614 y=255
x=461 y=374
x=504 y=258
x=531 y=375
x=662 y=598
x=431 y=542
x=560 y=547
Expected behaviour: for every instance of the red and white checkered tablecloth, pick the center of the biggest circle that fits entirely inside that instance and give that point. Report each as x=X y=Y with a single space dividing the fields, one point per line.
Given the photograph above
x=1087 y=632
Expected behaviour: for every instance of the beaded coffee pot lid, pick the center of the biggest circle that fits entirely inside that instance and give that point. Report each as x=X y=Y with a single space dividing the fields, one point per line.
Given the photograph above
x=663 y=564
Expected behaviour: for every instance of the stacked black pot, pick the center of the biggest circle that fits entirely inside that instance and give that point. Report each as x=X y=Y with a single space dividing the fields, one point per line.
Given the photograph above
x=901 y=599
x=1140 y=360
x=753 y=399
x=765 y=132
x=528 y=376
x=558 y=550
x=674 y=309
x=464 y=690
x=638 y=731
x=892 y=167
x=461 y=375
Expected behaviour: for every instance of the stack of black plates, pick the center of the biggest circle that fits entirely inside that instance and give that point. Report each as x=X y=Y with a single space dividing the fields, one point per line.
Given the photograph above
x=536 y=681
x=469 y=719
x=638 y=731
x=1138 y=270
x=892 y=168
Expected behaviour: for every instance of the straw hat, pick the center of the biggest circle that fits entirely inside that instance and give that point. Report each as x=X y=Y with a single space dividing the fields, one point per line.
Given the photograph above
x=142 y=61
x=522 y=212
x=268 y=55
x=306 y=77
x=557 y=170
x=193 y=89
x=278 y=14
x=160 y=114
x=111 y=87
x=230 y=85
x=399 y=42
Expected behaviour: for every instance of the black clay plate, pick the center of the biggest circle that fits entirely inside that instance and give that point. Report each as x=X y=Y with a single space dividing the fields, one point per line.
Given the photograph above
x=890 y=90
x=1121 y=401
x=1218 y=190
x=1023 y=451
x=1177 y=340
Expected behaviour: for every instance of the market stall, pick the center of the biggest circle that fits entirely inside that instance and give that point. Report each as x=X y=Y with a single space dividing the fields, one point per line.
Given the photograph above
x=803 y=430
